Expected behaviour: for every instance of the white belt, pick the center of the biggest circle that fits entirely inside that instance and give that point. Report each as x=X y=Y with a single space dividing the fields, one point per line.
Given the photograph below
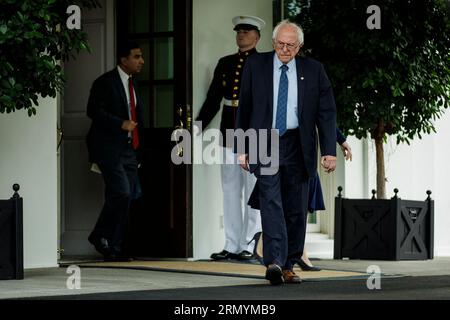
x=231 y=103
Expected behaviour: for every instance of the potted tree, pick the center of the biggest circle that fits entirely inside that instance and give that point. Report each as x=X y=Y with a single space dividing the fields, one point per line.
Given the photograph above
x=389 y=78
x=34 y=37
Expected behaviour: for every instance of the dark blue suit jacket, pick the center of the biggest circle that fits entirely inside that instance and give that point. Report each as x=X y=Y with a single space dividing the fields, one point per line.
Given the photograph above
x=315 y=195
x=316 y=105
x=108 y=108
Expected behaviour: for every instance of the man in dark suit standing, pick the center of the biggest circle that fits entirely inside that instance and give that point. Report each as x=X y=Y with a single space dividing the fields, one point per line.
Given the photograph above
x=293 y=95
x=113 y=141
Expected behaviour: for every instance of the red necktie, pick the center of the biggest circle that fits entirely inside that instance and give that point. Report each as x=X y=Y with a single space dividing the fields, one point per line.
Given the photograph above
x=134 y=134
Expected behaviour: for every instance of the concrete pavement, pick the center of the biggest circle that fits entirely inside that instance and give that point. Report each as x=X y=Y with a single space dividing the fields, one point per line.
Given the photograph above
x=117 y=283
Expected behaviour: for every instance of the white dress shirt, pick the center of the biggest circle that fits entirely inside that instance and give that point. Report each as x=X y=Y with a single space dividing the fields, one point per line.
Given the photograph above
x=124 y=77
x=292 y=101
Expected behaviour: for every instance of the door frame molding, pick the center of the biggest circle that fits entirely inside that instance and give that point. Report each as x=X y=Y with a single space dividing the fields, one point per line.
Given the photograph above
x=181 y=193
x=108 y=63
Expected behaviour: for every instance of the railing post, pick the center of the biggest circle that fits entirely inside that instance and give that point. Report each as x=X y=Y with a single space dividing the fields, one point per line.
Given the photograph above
x=18 y=232
x=338 y=225
x=430 y=203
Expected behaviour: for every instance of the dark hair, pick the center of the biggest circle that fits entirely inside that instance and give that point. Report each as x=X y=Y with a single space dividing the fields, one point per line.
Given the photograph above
x=124 y=49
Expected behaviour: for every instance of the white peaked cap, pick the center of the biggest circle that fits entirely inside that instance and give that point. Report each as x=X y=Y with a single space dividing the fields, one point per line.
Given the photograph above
x=258 y=23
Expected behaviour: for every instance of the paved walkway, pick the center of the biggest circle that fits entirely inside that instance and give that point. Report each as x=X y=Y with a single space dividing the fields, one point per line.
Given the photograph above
x=417 y=280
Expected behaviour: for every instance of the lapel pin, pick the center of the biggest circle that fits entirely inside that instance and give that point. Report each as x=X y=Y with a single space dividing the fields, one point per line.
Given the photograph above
x=301 y=78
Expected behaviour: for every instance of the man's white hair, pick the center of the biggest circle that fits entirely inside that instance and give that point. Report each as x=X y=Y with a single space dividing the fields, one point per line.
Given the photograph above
x=285 y=23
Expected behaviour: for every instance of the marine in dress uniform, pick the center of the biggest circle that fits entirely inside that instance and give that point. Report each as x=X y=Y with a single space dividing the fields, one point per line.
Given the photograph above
x=241 y=223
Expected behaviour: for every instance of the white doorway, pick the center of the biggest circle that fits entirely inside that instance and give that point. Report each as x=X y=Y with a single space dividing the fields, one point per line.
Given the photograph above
x=81 y=191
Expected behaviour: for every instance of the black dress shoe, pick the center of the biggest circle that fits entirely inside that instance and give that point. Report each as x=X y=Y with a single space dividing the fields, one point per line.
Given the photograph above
x=274 y=274
x=223 y=255
x=245 y=255
x=110 y=254
x=101 y=245
x=117 y=258
x=306 y=267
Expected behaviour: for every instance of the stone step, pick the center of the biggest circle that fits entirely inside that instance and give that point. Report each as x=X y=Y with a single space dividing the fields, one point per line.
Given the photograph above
x=319 y=246
x=316 y=236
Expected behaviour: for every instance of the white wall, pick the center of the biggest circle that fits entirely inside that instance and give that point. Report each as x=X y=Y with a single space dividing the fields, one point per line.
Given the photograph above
x=28 y=157
x=356 y=186
x=440 y=186
x=213 y=37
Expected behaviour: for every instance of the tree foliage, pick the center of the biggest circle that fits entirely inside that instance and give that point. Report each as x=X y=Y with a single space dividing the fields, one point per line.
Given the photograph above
x=389 y=81
x=34 y=38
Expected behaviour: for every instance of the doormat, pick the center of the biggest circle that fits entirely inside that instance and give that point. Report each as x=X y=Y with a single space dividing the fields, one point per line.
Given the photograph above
x=229 y=269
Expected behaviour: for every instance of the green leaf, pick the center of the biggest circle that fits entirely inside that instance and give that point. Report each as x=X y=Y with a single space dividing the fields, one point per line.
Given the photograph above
x=28 y=35
x=5 y=84
x=9 y=67
x=21 y=16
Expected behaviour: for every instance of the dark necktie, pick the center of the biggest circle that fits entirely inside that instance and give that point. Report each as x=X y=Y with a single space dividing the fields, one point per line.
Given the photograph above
x=282 y=101
x=134 y=134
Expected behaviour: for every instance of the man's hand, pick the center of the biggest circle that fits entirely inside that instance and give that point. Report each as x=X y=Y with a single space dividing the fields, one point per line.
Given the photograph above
x=129 y=125
x=243 y=161
x=347 y=151
x=328 y=163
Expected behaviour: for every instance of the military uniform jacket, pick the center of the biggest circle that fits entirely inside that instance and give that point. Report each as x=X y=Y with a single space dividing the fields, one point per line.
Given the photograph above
x=226 y=84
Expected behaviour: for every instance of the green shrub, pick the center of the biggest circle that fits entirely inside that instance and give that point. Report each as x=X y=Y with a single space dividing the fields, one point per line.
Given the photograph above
x=34 y=38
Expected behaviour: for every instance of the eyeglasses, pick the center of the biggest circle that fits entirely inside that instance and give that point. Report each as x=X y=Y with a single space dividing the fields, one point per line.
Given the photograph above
x=289 y=46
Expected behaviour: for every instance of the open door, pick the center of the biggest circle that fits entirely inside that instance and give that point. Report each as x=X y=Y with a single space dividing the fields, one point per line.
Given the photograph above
x=161 y=221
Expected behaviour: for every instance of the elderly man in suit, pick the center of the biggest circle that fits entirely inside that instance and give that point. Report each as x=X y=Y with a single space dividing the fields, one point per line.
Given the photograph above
x=293 y=95
x=113 y=141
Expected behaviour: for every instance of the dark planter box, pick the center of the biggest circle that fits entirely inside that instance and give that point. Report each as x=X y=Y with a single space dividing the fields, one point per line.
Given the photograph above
x=378 y=229
x=11 y=237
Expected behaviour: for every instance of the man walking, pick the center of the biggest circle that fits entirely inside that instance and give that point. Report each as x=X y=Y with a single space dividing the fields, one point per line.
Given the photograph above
x=293 y=95
x=113 y=141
